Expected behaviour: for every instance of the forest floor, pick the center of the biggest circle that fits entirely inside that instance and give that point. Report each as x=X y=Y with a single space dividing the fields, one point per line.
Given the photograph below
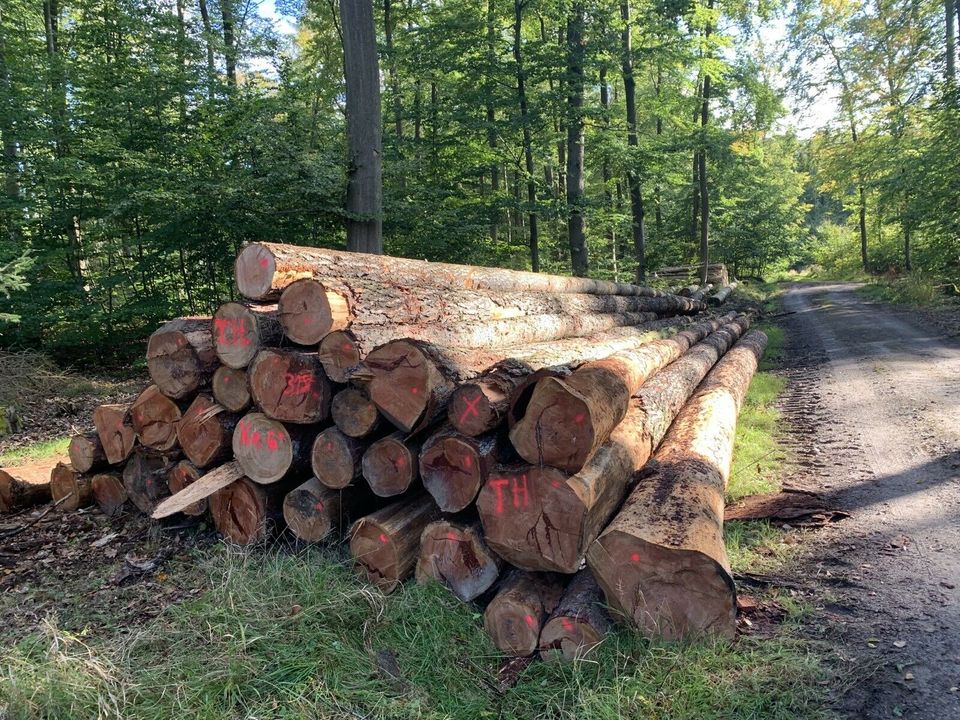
x=872 y=406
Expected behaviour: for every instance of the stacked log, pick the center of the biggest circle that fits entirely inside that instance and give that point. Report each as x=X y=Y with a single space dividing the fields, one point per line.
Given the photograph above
x=470 y=426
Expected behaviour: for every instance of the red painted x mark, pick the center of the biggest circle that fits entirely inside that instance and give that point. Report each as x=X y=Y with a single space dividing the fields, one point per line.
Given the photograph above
x=471 y=408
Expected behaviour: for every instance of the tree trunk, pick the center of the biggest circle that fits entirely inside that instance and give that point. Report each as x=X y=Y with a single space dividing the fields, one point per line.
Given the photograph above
x=109 y=493
x=908 y=264
x=181 y=356
x=313 y=512
x=69 y=490
x=662 y=563
x=354 y=413
x=385 y=545
x=208 y=42
x=455 y=555
x=951 y=53
x=578 y=623
x=263 y=270
x=229 y=42
x=181 y=476
x=116 y=432
x=269 y=451
x=454 y=467
x=86 y=452
x=145 y=478
x=198 y=490
x=567 y=420
x=26 y=486
x=365 y=163
x=575 y=81
x=206 y=431
x=241 y=331
x=155 y=417
x=518 y=6
x=633 y=178
x=540 y=518
x=339 y=353
x=516 y=614
x=492 y=120
x=390 y=464
x=863 y=228
x=335 y=459
x=231 y=389
x=245 y=512
x=290 y=386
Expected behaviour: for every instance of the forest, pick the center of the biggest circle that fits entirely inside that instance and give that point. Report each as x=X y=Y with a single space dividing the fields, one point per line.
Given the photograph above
x=145 y=141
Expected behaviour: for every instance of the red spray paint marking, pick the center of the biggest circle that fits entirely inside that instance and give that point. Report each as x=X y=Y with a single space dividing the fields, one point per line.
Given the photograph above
x=319 y=506
x=528 y=619
x=231 y=331
x=329 y=445
x=555 y=483
x=579 y=418
x=467 y=462
x=498 y=484
x=635 y=557
x=520 y=493
x=264 y=262
x=567 y=625
x=399 y=461
x=383 y=539
x=414 y=390
x=298 y=384
x=452 y=536
x=348 y=347
x=471 y=408
x=226 y=379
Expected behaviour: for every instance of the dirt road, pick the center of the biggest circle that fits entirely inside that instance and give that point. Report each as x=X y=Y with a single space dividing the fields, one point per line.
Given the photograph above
x=873 y=405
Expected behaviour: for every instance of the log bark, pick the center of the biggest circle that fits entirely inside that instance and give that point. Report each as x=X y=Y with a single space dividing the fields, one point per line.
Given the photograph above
x=241 y=331
x=269 y=451
x=411 y=381
x=231 y=389
x=578 y=623
x=662 y=562
x=206 y=431
x=385 y=545
x=312 y=511
x=568 y=419
x=376 y=312
x=390 y=465
x=181 y=476
x=455 y=554
x=245 y=512
x=86 y=452
x=263 y=270
x=542 y=518
x=515 y=616
x=454 y=467
x=181 y=356
x=336 y=459
x=109 y=493
x=199 y=490
x=145 y=478
x=290 y=386
x=339 y=353
x=154 y=417
x=720 y=297
x=69 y=490
x=354 y=413
x=25 y=486
x=115 y=431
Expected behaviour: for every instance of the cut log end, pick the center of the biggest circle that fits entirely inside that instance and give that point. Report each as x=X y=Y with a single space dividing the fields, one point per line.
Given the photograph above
x=456 y=555
x=109 y=493
x=230 y=388
x=254 y=271
x=239 y=512
x=390 y=466
x=476 y=407
x=181 y=475
x=155 y=417
x=515 y=616
x=115 y=431
x=205 y=431
x=666 y=593
x=578 y=623
x=339 y=352
x=404 y=379
x=335 y=459
x=69 y=490
x=375 y=553
x=181 y=356
x=452 y=472
x=240 y=331
x=290 y=386
x=86 y=452
x=309 y=311
x=263 y=447
x=23 y=487
x=354 y=413
x=145 y=479
x=312 y=511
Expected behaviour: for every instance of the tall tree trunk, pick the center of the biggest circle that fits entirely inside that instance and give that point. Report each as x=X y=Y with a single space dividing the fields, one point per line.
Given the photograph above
x=633 y=178
x=388 y=24
x=658 y=210
x=527 y=142
x=492 y=119
x=229 y=42
x=365 y=185
x=11 y=173
x=208 y=38
x=605 y=165
x=907 y=263
x=575 y=223
x=702 y=167
x=951 y=53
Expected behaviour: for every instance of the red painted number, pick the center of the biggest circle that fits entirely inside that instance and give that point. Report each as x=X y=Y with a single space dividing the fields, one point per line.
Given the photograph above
x=231 y=331
x=298 y=384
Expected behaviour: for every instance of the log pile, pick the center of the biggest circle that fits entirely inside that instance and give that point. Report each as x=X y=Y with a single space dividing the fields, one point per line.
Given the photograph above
x=485 y=429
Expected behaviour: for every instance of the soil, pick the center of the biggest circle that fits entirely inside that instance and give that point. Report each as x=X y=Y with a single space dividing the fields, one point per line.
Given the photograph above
x=873 y=414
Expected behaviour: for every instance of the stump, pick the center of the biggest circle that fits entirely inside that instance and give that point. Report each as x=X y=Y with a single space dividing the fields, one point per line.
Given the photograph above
x=69 y=490
x=290 y=386
x=241 y=331
x=231 y=389
x=86 y=452
x=456 y=555
x=182 y=475
x=181 y=356
x=109 y=493
x=516 y=614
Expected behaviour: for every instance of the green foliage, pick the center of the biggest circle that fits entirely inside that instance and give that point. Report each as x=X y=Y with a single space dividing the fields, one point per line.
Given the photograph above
x=291 y=636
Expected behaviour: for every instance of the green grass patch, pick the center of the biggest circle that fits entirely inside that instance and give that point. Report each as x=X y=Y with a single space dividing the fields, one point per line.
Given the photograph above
x=295 y=636
x=35 y=451
x=915 y=290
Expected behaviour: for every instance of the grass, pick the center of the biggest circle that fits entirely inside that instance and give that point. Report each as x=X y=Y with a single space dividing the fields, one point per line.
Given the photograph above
x=912 y=290
x=35 y=451
x=282 y=635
